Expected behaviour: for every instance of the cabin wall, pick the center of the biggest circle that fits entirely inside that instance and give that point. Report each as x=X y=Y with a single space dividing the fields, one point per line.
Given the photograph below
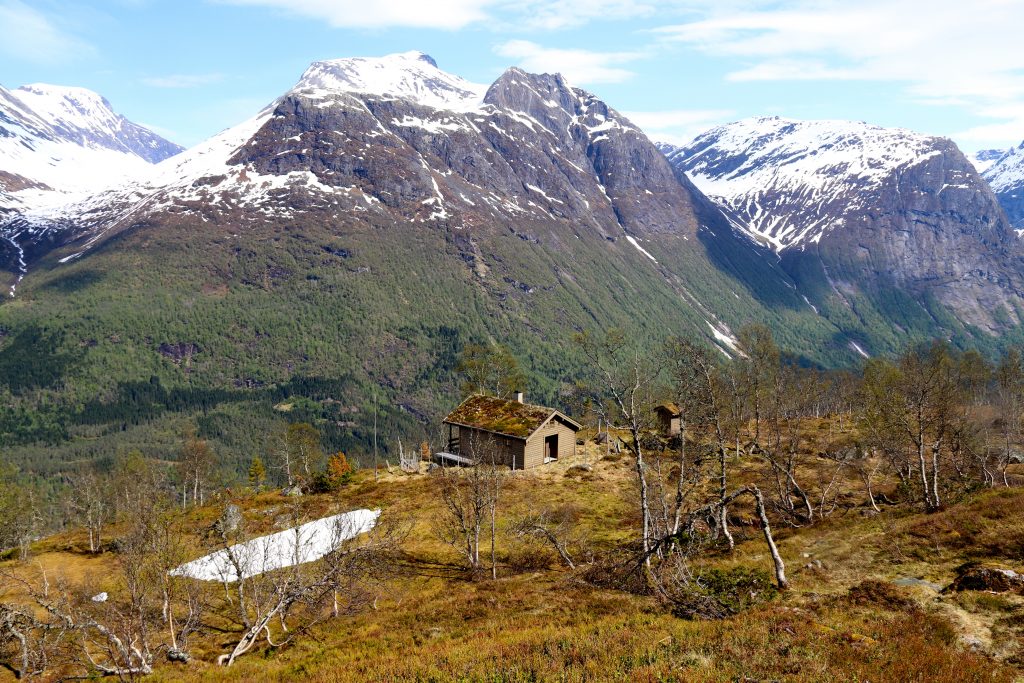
x=534 y=454
x=669 y=425
x=480 y=444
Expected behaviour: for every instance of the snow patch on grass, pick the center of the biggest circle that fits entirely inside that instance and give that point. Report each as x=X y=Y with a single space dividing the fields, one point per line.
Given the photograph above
x=298 y=545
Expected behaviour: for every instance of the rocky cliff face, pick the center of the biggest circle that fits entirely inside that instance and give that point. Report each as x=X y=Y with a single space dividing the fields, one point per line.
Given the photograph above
x=858 y=212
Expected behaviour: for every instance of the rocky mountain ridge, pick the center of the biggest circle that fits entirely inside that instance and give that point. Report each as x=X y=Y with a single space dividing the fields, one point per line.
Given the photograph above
x=544 y=205
x=396 y=140
x=858 y=211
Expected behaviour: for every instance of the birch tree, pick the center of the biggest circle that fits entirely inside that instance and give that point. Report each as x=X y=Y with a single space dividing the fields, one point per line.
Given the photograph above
x=87 y=501
x=623 y=390
x=195 y=464
x=470 y=498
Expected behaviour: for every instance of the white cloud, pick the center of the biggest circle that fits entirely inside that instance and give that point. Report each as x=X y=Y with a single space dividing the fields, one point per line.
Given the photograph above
x=455 y=14
x=438 y=14
x=580 y=67
x=943 y=51
x=182 y=80
x=558 y=14
x=794 y=70
x=30 y=35
x=1008 y=125
x=678 y=126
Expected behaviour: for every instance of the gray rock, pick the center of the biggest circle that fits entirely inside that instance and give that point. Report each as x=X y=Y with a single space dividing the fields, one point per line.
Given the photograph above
x=230 y=519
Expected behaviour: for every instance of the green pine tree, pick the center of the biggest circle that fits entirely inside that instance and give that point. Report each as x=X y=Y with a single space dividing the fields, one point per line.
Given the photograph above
x=257 y=474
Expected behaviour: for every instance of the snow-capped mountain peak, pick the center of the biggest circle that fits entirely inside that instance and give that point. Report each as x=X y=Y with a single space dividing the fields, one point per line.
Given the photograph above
x=85 y=118
x=752 y=164
x=59 y=143
x=1007 y=171
x=66 y=105
x=411 y=76
x=1006 y=178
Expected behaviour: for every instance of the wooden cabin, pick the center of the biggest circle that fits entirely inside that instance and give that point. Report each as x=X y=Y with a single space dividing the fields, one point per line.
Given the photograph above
x=511 y=432
x=668 y=415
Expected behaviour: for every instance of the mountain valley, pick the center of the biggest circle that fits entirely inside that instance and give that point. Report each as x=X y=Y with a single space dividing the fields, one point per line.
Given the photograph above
x=382 y=214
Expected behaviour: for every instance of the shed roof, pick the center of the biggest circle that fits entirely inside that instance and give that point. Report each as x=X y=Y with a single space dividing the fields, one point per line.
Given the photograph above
x=506 y=417
x=669 y=407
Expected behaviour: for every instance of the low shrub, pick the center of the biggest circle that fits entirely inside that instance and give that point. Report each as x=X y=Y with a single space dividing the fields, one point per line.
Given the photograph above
x=872 y=592
x=720 y=593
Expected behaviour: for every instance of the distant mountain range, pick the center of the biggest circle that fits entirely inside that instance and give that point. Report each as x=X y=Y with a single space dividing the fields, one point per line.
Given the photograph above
x=1006 y=177
x=59 y=144
x=382 y=213
x=67 y=140
x=875 y=223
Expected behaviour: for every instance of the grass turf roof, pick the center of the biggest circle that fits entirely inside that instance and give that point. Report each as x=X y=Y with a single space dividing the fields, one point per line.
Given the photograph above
x=500 y=416
x=670 y=407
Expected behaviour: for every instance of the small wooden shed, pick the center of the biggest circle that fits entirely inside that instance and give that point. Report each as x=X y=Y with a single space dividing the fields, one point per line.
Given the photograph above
x=511 y=432
x=668 y=415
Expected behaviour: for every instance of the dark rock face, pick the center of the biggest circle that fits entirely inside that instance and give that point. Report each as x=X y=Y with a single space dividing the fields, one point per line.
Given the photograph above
x=536 y=151
x=179 y=352
x=979 y=577
x=935 y=231
x=862 y=212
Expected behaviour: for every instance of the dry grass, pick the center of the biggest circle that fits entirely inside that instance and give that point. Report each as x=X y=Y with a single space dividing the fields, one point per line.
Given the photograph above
x=542 y=622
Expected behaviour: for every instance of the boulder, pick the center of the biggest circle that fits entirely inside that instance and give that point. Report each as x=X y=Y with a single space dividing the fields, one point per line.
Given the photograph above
x=230 y=519
x=975 y=576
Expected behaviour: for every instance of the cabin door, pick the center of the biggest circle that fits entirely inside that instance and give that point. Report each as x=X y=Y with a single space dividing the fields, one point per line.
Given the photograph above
x=551 y=448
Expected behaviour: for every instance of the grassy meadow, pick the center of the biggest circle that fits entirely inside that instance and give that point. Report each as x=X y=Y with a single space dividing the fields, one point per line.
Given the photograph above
x=863 y=603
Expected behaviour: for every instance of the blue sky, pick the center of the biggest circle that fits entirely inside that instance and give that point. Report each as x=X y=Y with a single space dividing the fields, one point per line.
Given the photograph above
x=189 y=68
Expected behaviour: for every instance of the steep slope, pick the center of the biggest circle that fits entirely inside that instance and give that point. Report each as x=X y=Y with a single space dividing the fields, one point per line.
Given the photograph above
x=1006 y=177
x=888 y=233
x=368 y=224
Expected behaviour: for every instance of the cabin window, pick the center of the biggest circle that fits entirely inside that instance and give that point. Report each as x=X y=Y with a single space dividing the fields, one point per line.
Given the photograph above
x=551 y=448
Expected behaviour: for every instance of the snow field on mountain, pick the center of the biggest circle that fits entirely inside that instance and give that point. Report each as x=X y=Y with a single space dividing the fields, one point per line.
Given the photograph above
x=753 y=165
